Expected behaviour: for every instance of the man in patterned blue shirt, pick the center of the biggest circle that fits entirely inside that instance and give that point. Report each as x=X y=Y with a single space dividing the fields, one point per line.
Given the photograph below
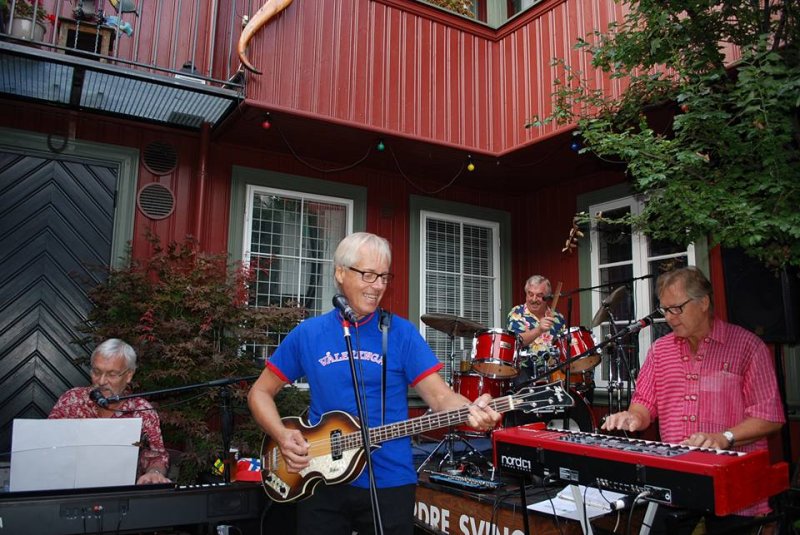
x=537 y=327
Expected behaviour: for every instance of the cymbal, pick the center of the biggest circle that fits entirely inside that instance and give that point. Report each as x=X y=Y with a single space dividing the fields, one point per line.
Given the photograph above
x=452 y=325
x=609 y=302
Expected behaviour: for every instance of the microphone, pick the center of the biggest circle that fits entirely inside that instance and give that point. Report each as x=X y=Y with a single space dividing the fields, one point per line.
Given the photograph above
x=636 y=327
x=97 y=396
x=342 y=305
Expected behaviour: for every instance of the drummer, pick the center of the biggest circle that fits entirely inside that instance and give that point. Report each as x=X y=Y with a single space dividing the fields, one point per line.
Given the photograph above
x=536 y=324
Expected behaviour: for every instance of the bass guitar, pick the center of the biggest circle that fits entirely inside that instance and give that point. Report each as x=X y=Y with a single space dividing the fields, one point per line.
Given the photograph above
x=335 y=446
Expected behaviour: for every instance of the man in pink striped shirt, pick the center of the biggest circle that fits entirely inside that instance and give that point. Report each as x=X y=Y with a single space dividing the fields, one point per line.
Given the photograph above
x=709 y=383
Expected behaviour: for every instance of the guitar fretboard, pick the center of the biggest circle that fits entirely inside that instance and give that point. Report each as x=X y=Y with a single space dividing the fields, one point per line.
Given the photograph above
x=552 y=396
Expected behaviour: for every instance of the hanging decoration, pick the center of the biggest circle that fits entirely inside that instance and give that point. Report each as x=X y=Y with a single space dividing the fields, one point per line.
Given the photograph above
x=261 y=17
x=380 y=146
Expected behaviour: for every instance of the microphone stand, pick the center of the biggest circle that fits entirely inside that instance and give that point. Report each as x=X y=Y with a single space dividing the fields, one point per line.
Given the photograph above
x=567 y=374
x=607 y=284
x=226 y=411
x=615 y=369
x=620 y=334
x=364 y=428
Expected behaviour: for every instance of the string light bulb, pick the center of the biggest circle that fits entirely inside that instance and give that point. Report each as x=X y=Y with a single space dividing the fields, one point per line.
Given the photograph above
x=380 y=146
x=266 y=125
x=470 y=164
x=576 y=144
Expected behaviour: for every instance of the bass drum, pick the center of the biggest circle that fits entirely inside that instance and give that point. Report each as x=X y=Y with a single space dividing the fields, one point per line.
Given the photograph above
x=580 y=417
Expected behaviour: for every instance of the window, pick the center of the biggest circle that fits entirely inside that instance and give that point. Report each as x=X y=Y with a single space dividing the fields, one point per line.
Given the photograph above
x=622 y=258
x=495 y=13
x=459 y=276
x=289 y=240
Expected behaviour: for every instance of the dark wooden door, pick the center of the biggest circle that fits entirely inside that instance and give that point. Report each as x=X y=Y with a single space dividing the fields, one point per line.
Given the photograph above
x=56 y=224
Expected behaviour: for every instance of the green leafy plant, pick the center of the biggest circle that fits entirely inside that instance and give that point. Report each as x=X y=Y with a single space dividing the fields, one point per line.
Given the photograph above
x=186 y=313
x=713 y=147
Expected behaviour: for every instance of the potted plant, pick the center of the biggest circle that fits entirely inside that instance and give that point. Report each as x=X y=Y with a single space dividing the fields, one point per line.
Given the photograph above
x=24 y=22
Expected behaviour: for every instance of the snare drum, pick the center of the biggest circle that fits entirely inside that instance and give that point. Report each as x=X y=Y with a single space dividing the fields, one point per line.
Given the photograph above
x=495 y=353
x=579 y=340
x=472 y=386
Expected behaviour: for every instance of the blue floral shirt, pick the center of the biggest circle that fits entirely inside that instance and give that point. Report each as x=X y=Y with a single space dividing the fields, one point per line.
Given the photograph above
x=521 y=319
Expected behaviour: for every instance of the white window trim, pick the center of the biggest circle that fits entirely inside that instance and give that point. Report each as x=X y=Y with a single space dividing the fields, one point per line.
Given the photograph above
x=247 y=229
x=424 y=215
x=640 y=266
x=248 y=212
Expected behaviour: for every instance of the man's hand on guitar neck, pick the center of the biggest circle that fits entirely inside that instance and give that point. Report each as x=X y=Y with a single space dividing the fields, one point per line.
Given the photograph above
x=481 y=416
x=294 y=450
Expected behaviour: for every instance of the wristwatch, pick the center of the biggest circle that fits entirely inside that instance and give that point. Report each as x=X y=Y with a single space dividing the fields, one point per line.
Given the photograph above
x=729 y=437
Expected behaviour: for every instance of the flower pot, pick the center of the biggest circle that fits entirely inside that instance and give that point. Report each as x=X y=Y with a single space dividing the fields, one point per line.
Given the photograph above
x=21 y=29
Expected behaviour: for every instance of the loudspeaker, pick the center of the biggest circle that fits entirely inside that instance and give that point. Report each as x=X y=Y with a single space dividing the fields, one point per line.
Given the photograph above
x=760 y=299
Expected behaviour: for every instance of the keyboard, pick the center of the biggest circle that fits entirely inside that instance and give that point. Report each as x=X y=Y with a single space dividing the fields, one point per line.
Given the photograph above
x=475 y=484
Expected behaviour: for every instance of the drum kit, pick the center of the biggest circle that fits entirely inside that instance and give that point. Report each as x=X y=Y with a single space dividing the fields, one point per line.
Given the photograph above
x=494 y=365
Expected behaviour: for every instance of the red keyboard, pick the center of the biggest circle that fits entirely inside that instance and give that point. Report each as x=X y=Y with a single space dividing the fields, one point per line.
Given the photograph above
x=718 y=481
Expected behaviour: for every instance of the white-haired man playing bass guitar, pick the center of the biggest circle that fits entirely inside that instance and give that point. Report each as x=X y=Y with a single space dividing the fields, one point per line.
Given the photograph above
x=316 y=349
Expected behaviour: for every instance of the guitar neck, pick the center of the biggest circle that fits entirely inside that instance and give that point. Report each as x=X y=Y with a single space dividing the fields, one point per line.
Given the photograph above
x=429 y=422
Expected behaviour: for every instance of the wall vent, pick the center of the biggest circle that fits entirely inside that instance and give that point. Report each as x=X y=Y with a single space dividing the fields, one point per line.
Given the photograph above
x=160 y=157
x=156 y=201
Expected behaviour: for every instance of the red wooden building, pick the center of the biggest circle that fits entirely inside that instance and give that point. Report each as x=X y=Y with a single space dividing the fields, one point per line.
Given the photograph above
x=369 y=115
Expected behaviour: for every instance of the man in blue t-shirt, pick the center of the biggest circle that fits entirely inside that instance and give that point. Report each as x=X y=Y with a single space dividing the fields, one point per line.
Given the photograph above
x=316 y=349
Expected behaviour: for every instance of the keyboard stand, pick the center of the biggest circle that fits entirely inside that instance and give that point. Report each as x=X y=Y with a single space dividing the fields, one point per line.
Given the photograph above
x=649 y=515
x=586 y=526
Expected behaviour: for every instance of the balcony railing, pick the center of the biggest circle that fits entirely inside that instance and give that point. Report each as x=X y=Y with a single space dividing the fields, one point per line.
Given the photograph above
x=170 y=62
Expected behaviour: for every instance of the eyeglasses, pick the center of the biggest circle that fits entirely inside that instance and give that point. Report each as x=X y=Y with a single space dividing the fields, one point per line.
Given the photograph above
x=110 y=375
x=370 y=276
x=674 y=310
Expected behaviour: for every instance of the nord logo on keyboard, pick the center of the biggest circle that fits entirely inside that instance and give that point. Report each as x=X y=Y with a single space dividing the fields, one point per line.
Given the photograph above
x=507 y=461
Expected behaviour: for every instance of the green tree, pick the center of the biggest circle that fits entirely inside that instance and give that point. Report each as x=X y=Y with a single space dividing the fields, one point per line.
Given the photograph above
x=713 y=147
x=187 y=314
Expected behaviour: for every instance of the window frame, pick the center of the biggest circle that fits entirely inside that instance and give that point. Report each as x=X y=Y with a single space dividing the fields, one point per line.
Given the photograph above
x=252 y=189
x=589 y=270
x=418 y=204
x=493 y=225
x=242 y=178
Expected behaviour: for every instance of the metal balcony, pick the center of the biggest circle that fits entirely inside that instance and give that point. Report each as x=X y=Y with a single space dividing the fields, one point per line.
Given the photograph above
x=168 y=62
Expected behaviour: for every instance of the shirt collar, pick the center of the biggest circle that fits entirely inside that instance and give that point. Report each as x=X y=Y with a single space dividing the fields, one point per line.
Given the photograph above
x=715 y=334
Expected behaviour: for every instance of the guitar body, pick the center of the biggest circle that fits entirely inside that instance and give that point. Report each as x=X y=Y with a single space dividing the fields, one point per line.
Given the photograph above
x=329 y=463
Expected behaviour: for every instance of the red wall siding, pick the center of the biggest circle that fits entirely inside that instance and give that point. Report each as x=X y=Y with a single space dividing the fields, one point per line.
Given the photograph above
x=540 y=220
x=379 y=67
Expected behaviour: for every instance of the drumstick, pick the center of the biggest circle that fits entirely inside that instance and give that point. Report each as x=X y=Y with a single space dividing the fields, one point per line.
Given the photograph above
x=556 y=295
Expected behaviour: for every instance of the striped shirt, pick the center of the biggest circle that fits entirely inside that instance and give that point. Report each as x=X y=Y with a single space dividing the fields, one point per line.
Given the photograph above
x=731 y=377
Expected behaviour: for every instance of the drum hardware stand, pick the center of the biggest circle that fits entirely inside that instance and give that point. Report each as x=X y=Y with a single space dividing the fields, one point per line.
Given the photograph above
x=449 y=457
x=452 y=435
x=616 y=382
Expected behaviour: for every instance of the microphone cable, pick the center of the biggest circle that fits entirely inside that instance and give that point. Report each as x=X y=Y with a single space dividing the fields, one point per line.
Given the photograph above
x=640 y=496
x=549 y=479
